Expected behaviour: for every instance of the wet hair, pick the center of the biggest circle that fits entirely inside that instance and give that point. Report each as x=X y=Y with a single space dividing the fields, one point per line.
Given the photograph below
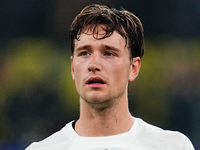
x=122 y=21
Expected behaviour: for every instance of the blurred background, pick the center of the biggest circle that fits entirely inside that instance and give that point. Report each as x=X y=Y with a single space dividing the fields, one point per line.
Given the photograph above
x=38 y=96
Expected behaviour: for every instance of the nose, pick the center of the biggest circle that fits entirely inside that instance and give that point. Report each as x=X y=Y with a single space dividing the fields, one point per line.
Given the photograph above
x=95 y=64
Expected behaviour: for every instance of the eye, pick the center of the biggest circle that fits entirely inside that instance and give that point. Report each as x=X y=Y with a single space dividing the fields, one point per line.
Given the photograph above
x=84 y=53
x=109 y=54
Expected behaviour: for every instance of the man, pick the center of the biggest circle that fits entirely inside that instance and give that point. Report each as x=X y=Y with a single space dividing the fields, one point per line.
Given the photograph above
x=107 y=46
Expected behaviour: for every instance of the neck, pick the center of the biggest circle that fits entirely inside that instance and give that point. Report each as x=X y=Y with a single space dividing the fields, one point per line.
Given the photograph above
x=110 y=121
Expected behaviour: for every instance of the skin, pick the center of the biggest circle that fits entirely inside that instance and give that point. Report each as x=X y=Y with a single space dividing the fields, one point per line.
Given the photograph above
x=101 y=70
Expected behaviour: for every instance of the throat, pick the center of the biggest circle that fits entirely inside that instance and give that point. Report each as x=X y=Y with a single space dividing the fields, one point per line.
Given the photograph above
x=99 y=125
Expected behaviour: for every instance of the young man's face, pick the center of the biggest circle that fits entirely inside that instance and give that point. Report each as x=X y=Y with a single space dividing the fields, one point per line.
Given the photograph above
x=102 y=68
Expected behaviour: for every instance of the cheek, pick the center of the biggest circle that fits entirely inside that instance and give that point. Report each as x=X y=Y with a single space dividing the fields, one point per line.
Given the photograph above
x=77 y=80
x=122 y=69
x=78 y=73
x=120 y=74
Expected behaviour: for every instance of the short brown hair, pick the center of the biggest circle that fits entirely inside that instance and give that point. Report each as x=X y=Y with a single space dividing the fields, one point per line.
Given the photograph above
x=122 y=21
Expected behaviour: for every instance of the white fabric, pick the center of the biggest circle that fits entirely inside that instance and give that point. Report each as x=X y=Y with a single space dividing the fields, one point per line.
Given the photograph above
x=142 y=136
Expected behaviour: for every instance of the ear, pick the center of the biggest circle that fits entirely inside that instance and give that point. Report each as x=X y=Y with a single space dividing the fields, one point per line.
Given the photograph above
x=134 y=68
x=72 y=67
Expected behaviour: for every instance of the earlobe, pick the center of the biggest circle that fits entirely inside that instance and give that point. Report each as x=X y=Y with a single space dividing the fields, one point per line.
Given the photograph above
x=72 y=67
x=135 y=68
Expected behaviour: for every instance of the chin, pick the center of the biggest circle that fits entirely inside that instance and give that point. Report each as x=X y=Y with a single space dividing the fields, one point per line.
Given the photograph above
x=98 y=102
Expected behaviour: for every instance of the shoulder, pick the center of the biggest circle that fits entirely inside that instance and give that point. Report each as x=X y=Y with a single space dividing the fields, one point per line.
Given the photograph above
x=153 y=136
x=62 y=138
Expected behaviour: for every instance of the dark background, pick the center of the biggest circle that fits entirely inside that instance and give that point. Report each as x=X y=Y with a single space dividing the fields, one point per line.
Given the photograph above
x=37 y=94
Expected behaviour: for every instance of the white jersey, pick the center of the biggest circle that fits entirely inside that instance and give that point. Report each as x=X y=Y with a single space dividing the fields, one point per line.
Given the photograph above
x=141 y=136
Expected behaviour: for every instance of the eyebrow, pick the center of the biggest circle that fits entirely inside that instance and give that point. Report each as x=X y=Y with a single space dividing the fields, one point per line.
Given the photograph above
x=108 y=47
x=102 y=47
x=84 y=47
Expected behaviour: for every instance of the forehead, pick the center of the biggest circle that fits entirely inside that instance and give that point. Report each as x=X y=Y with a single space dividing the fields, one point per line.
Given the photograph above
x=95 y=36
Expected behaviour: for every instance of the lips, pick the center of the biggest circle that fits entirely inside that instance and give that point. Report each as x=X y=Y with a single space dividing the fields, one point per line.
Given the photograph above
x=95 y=80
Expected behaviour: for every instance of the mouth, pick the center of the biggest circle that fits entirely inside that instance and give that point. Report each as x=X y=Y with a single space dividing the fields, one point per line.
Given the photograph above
x=95 y=80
